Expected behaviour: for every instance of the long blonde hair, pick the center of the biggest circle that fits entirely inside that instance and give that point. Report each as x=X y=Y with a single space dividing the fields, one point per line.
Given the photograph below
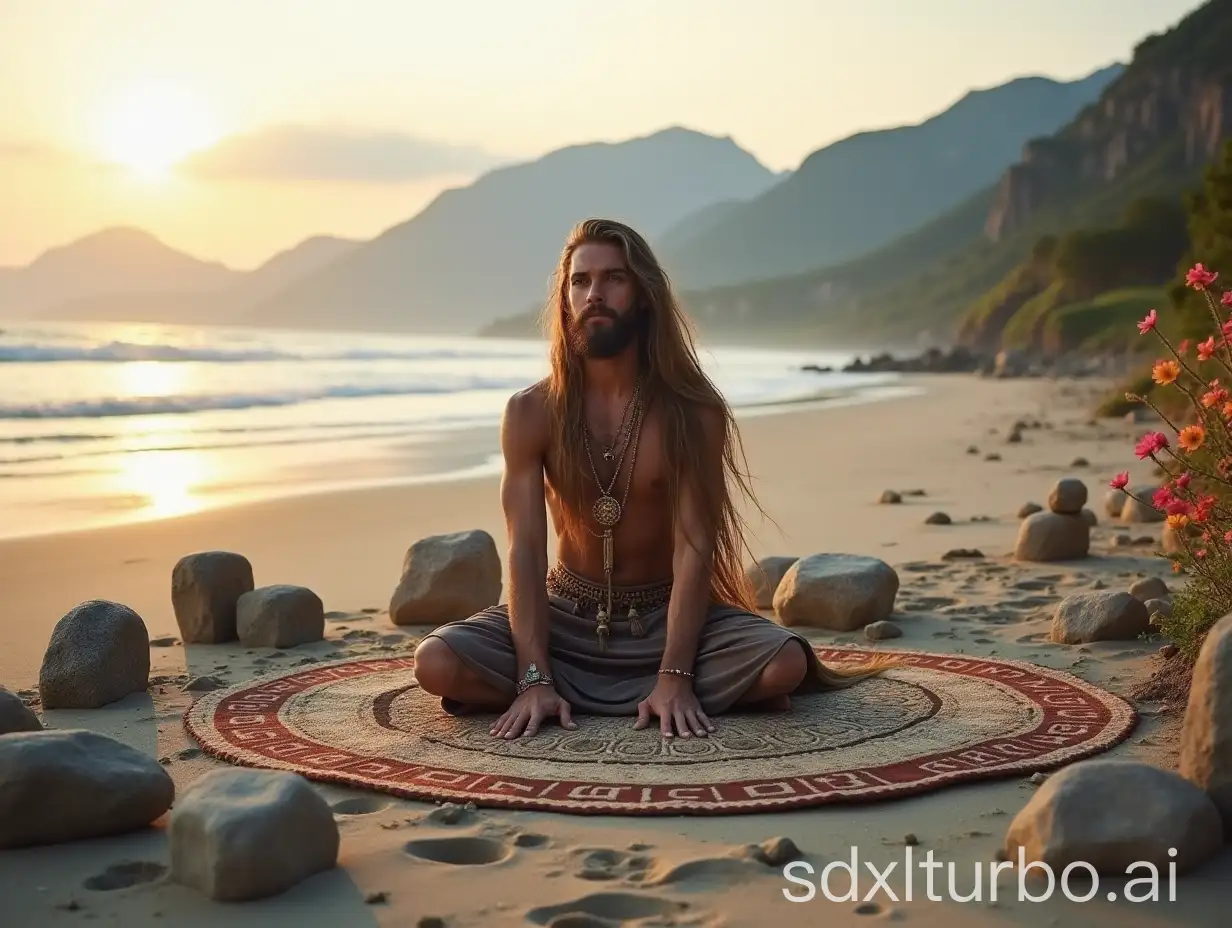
x=674 y=379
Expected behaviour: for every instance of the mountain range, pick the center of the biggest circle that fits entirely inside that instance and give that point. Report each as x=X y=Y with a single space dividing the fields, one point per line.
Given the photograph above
x=727 y=227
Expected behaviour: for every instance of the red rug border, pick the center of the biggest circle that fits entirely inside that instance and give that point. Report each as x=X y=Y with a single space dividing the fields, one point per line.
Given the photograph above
x=1129 y=716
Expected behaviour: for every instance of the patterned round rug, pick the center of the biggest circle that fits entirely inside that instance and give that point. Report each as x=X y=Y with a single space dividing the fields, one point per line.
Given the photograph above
x=935 y=720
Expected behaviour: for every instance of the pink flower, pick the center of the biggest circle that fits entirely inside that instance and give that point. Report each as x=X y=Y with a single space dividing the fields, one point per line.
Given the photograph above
x=1120 y=481
x=1178 y=507
x=1199 y=277
x=1163 y=498
x=1148 y=323
x=1227 y=536
x=1207 y=348
x=1226 y=299
x=1151 y=443
x=1183 y=481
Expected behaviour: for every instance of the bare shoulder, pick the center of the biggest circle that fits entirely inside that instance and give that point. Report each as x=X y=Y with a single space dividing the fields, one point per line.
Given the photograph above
x=526 y=423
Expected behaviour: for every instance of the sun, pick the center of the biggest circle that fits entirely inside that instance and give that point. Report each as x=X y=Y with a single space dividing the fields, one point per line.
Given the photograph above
x=153 y=127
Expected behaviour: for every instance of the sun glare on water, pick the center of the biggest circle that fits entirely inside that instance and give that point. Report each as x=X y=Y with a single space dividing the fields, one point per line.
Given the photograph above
x=151 y=128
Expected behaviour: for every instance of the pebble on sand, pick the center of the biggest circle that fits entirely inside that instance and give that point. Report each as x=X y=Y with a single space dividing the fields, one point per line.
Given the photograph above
x=99 y=653
x=239 y=834
x=447 y=577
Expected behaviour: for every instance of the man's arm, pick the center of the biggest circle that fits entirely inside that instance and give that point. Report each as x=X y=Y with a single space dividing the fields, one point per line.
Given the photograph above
x=693 y=556
x=524 y=432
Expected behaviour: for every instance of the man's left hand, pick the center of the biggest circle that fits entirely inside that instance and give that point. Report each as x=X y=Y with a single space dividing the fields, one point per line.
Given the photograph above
x=677 y=708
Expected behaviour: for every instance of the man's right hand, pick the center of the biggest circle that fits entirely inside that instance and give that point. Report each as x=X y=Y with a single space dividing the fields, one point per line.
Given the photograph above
x=530 y=709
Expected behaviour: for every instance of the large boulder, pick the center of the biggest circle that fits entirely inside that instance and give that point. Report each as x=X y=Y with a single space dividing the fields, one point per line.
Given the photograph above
x=446 y=578
x=279 y=617
x=1051 y=536
x=99 y=652
x=1148 y=588
x=205 y=589
x=1100 y=615
x=841 y=592
x=1111 y=813
x=15 y=715
x=1068 y=496
x=1206 y=734
x=239 y=834
x=73 y=784
x=765 y=575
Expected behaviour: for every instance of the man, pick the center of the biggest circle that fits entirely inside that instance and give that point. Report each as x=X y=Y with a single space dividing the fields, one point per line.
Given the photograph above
x=633 y=450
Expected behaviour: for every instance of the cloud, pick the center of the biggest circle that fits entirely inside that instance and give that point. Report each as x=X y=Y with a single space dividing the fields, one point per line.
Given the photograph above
x=296 y=153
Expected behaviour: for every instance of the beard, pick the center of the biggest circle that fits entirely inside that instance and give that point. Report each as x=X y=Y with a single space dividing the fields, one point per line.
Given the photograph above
x=606 y=341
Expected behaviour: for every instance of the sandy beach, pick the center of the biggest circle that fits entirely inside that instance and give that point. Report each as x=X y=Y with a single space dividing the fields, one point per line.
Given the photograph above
x=819 y=474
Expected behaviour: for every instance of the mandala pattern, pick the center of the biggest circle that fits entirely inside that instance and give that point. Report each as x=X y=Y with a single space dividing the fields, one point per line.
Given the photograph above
x=934 y=720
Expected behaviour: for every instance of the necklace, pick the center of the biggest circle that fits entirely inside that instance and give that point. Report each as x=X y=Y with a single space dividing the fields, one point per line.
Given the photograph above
x=607 y=511
x=609 y=452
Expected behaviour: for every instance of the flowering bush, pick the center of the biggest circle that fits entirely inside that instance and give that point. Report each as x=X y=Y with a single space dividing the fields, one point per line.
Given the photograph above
x=1197 y=464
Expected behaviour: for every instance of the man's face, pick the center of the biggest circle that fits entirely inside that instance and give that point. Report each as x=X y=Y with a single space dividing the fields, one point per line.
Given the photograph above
x=604 y=317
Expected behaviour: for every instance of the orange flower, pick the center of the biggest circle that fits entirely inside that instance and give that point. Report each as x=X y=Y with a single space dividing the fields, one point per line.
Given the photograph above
x=1178 y=520
x=1214 y=397
x=1165 y=372
x=1227 y=410
x=1191 y=437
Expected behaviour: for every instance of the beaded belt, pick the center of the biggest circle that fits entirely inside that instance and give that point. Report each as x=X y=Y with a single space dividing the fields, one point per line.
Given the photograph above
x=634 y=602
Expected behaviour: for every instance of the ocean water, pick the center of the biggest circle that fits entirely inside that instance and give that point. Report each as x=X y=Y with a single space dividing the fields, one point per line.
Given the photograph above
x=101 y=423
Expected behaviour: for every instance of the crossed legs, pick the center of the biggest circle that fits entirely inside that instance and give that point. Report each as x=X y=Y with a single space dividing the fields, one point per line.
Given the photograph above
x=439 y=671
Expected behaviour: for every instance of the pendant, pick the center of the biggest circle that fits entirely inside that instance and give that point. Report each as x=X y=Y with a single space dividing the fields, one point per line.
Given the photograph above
x=609 y=454
x=601 y=629
x=635 y=623
x=606 y=511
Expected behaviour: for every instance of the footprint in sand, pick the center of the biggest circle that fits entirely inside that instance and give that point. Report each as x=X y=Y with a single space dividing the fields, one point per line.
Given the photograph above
x=610 y=864
x=531 y=840
x=360 y=805
x=602 y=909
x=461 y=851
x=125 y=874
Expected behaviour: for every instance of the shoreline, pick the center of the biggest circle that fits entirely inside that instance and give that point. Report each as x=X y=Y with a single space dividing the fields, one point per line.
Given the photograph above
x=449 y=455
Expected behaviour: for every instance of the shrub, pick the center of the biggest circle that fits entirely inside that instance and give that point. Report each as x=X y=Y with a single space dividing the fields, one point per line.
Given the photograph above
x=1197 y=463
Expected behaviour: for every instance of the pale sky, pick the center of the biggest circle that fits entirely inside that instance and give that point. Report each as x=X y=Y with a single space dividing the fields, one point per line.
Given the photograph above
x=344 y=117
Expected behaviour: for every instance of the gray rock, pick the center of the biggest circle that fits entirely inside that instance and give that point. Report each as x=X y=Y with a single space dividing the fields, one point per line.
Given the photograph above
x=1139 y=508
x=1206 y=733
x=1110 y=813
x=446 y=578
x=99 y=652
x=1149 y=588
x=205 y=589
x=1068 y=496
x=1029 y=509
x=842 y=592
x=1089 y=517
x=765 y=575
x=938 y=518
x=1099 y=616
x=72 y=784
x=890 y=497
x=279 y=617
x=880 y=631
x=15 y=715
x=1051 y=536
x=239 y=834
